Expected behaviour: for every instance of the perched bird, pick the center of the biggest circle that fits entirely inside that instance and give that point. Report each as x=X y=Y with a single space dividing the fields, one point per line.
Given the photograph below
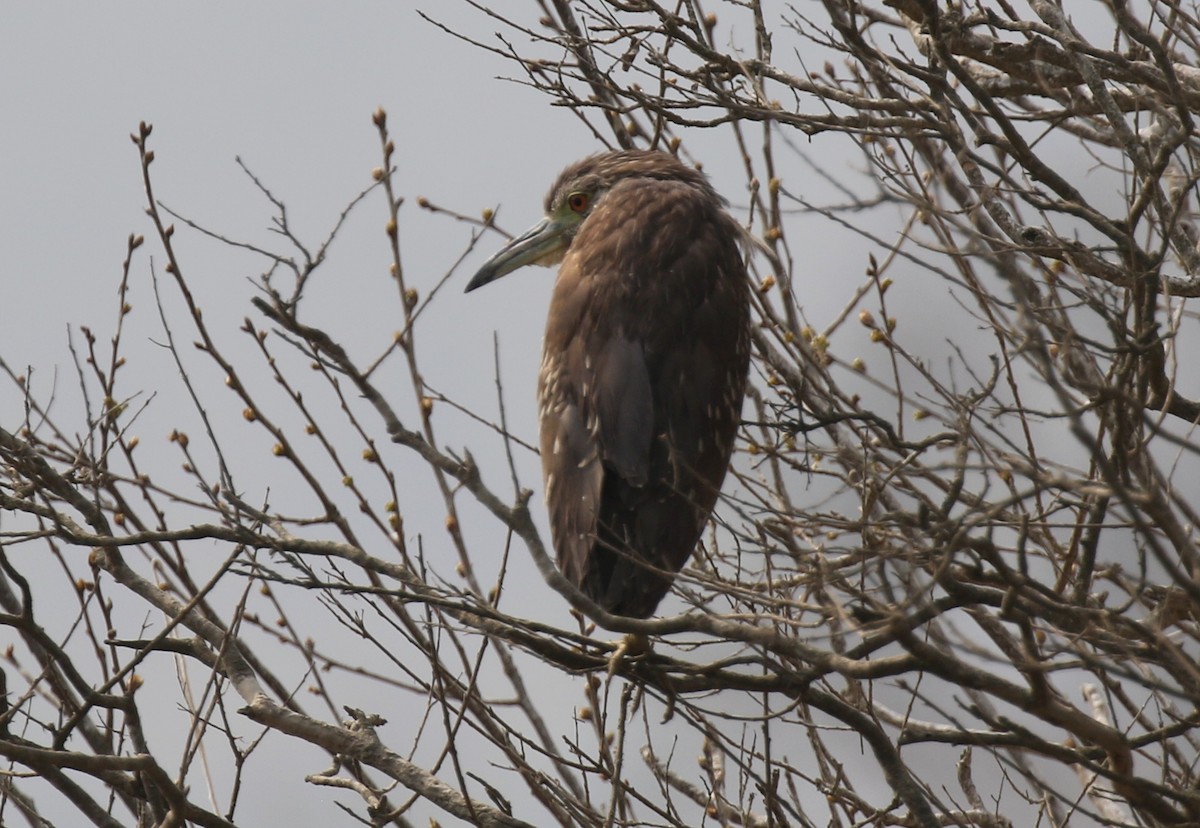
x=644 y=367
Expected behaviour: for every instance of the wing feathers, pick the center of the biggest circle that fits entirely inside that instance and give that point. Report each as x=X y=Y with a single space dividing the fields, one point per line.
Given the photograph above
x=624 y=409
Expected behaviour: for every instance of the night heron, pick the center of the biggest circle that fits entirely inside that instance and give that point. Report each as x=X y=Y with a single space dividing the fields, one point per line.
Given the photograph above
x=644 y=367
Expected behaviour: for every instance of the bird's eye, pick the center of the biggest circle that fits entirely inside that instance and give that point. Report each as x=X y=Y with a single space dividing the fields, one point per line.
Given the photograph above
x=578 y=202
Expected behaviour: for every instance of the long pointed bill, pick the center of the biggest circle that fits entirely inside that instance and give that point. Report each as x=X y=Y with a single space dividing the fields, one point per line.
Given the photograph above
x=541 y=244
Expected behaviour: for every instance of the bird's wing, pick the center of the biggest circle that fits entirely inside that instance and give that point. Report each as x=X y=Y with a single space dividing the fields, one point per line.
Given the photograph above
x=624 y=408
x=574 y=476
x=597 y=428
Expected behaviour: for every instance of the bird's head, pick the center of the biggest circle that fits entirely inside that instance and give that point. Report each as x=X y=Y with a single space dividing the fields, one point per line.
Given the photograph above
x=547 y=241
x=579 y=190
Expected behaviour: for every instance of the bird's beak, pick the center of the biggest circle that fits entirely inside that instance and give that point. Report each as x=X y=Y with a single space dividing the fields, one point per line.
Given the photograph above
x=542 y=244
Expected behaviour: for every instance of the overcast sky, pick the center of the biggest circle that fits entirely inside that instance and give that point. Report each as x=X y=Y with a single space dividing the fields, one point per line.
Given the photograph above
x=289 y=87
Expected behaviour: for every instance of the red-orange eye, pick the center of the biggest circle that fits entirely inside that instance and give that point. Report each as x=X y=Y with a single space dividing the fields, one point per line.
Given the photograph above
x=578 y=202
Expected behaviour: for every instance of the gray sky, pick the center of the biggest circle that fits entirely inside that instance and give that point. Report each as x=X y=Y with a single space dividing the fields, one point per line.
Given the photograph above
x=289 y=87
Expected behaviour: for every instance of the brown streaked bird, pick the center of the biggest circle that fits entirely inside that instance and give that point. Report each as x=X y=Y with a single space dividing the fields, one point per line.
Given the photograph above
x=644 y=367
